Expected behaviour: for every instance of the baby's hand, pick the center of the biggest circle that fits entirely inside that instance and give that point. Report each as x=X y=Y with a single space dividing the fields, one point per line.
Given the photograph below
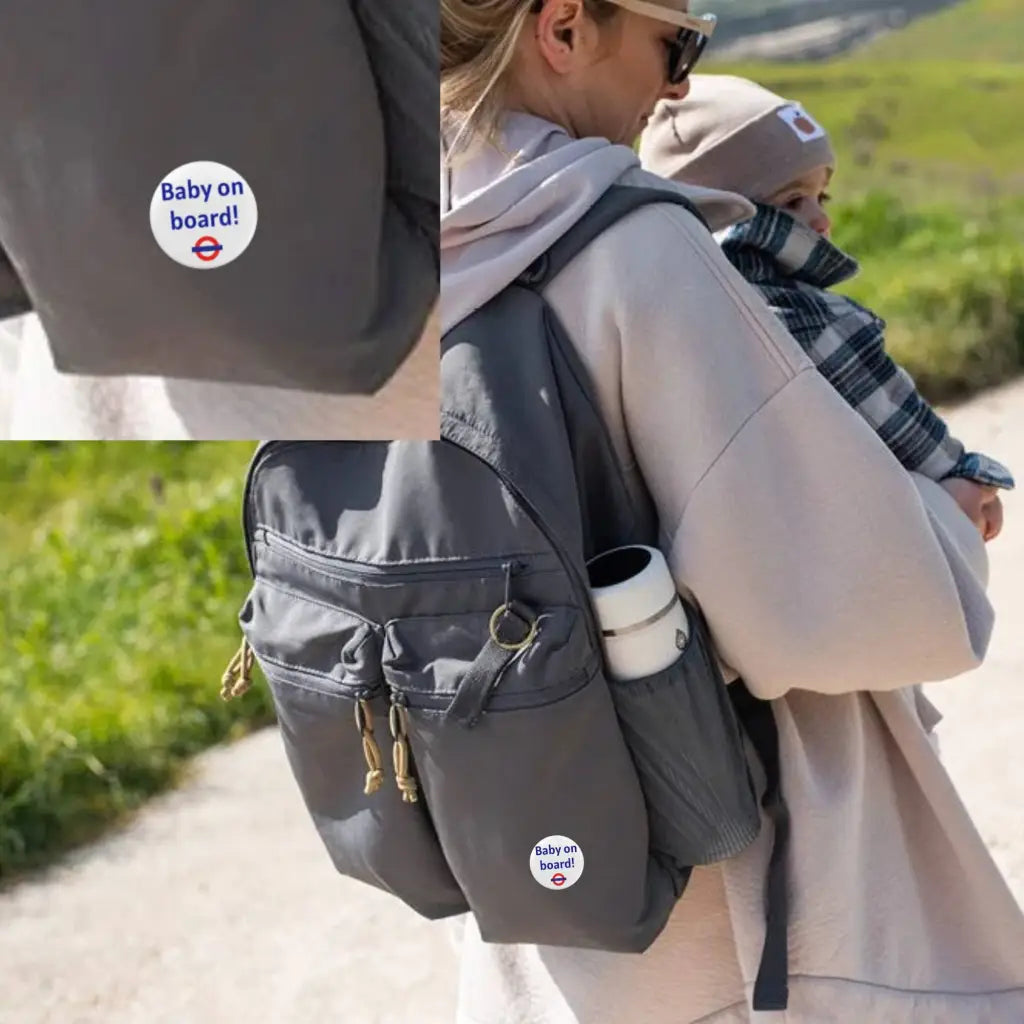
x=980 y=503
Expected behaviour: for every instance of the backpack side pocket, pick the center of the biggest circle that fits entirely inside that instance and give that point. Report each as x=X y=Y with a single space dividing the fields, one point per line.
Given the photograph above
x=683 y=735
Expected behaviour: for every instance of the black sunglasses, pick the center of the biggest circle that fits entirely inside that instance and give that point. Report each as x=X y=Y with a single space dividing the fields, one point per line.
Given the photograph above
x=685 y=50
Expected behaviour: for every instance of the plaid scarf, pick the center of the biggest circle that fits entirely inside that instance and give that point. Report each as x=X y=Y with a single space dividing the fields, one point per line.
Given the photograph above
x=793 y=267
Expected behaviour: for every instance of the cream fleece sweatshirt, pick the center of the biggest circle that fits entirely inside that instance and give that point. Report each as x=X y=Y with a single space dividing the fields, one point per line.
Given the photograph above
x=832 y=581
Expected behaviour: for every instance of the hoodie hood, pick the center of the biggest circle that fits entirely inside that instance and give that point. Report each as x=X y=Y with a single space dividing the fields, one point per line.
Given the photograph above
x=506 y=203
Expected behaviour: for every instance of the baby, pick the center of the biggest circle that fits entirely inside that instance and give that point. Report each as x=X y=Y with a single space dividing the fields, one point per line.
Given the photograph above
x=732 y=134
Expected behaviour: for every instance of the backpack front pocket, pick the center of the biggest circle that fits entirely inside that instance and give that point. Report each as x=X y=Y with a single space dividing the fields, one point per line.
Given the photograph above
x=323 y=667
x=682 y=733
x=543 y=758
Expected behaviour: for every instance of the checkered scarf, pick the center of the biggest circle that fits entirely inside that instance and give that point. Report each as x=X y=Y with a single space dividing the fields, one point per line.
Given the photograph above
x=793 y=267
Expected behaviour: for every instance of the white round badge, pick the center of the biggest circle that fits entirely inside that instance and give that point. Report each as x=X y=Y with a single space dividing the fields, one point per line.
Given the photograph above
x=556 y=862
x=203 y=215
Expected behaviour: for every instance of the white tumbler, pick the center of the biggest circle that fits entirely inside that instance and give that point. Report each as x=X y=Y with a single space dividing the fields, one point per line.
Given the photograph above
x=643 y=623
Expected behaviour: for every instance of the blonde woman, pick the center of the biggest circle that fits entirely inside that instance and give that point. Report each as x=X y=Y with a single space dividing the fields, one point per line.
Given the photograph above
x=832 y=579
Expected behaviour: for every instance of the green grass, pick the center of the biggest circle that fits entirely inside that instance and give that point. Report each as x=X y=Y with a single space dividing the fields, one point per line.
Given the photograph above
x=928 y=130
x=123 y=572
x=980 y=30
x=950 y=285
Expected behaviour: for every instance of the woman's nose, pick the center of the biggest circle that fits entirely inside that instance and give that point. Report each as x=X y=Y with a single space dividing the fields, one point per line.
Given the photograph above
x=676 y=92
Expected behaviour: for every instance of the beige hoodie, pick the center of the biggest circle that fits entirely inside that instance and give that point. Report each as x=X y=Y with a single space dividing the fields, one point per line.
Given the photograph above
x=832 y=581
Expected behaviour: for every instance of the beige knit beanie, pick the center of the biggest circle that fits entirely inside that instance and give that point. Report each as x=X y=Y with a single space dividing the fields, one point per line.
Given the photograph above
x=735 y=135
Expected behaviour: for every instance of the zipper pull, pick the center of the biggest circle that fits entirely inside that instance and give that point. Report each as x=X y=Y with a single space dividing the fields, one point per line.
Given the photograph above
x=371 y=752
x=398 y=721
x=237 y=677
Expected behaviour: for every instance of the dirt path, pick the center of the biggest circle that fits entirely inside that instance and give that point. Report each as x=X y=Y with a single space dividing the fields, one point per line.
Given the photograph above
x=219 y=905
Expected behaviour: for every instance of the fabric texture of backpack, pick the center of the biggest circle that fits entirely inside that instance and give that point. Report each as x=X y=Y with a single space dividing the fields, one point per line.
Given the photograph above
x=434 y=595
x=13 y=298
x=327 y=108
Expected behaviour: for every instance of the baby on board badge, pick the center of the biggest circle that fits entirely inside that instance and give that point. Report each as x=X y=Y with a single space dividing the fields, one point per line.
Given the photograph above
x=556 y=862
x=203 y=215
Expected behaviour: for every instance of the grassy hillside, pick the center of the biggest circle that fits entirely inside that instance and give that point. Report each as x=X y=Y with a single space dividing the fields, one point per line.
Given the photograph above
x=927 y=129
x=123 y=572
x=931 y=112
x=980 y=30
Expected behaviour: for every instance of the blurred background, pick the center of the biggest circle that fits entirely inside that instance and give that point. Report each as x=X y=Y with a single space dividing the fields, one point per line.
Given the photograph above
x=123 y=570
x=141 y=882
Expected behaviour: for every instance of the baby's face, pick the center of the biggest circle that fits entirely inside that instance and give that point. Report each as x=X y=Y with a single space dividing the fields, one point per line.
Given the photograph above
x=805 y=199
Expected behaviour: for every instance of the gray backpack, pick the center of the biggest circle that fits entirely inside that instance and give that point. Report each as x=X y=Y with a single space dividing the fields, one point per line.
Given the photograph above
x=13 y=300
x=435 y=594
x=327 y=108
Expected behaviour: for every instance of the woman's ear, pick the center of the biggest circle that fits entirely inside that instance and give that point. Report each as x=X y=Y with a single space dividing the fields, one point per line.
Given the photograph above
x=558 y=30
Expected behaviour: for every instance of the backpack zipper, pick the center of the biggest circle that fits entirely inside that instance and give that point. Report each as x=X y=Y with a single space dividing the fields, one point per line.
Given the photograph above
x=353 y=571
x=237 y=677
x=371 y=752
x=399 y=723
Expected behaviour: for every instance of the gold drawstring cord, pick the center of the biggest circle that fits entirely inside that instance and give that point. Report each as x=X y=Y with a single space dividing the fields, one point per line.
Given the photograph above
x=371 y=752
x=400 y=754
x=237 y=677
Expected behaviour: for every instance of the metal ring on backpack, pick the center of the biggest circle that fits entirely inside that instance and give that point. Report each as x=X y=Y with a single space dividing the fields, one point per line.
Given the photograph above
x=499 y=612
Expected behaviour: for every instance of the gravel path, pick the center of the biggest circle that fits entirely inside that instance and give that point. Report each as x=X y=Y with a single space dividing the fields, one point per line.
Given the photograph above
x=218 y=903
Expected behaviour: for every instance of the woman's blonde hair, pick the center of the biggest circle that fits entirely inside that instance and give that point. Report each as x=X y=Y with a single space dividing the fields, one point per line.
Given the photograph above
x=478 y=41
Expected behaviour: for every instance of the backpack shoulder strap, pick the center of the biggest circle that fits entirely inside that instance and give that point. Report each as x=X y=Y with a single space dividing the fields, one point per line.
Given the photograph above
x=613 y=205
x=624 y=518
